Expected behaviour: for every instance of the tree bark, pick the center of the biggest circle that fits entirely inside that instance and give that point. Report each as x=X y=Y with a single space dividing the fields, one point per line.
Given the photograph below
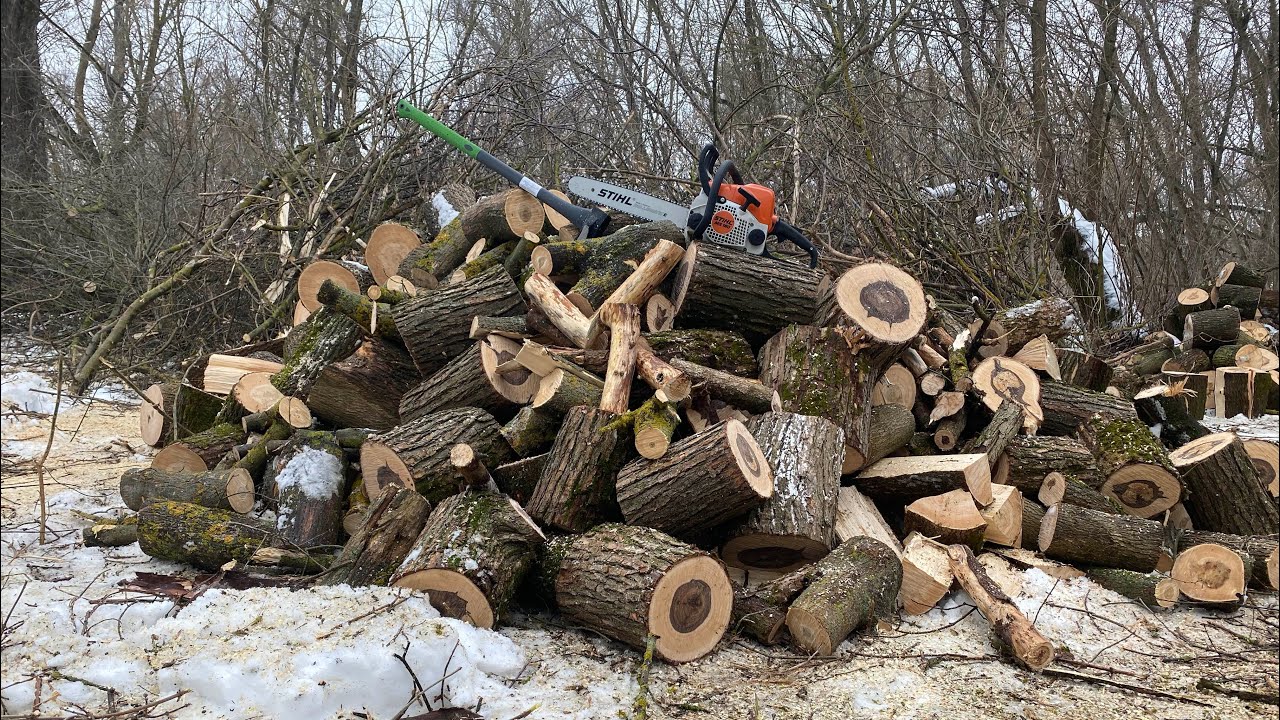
x=436 y=326
x=911 y=478
x=715 y=349
x=1066 y=407
x=230 y=489
x=1014 y=630
x=365 y=388
x=1225 y=494
x=858 y=583
x=416 y=454
x=307 y=478
x=388 y=529
x=1134 y=465
x=1078 y=535
x=198 y=452
x=199 y=536
x=576 y=490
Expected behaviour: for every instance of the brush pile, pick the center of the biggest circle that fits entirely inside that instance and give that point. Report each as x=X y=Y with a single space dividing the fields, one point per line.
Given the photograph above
x=664 y=441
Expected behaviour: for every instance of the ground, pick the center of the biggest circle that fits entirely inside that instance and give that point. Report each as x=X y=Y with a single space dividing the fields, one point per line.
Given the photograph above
x=76 y=644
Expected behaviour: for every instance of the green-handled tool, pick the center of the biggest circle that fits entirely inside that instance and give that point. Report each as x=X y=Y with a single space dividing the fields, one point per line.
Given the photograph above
x=589 y=221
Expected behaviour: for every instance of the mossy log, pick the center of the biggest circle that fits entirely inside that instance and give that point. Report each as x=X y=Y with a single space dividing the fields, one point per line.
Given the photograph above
x=472 y=554
x=601 y=264
x=1079 y=535
x=631 y=583
x=436 y=326
x=1241 y=297
x=325 y=338
x=194 y=411
x=723 y=288
x=1134 y=465
x=365 y=388
x=488 y=259
x=199 y=452
x=360 y=310
x=858 y=583
x=609 y=278
x=230 y=489
x=653 y=424
x=1225 y=356
x=387 y=532
x=426 y=265
x=716 y=349
x=702 y=481
x=796 y=525
x=306 y=479
x=1066 y=407
x=255 y=458
x=1225 y=494
x=1152 y=590
x=200 y=536
x=576 y=490
x=824 y=372
x=416 y=454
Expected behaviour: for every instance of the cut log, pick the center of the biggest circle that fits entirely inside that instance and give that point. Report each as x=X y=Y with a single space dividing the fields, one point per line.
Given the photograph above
x=1066 y=407
x=632 y=583
x=472 y=474
x=1226 y=495
x=885 y=304
x=1032 y=516
x=1256 y=358
x=1208 y=329
x=1261 y=548
x=1003 y=516
x=1193 y=360
x=1193 y=389
x=1015 y=631
x=519 y=478
x=435 y=326
x=562 y=314
x=911 y=478
x=1005 y=425
x=199 y=536
x=749 y=395
x=530 y=432
x=726 y=289
x=856 y=515
x=467 y=381
x=1001 y=379
x=897 y=386
x=1255 y=331
x=1078 y=535
x=194 y=374
x=891 y=429
x=623 y=322
x=1265 y=457
x=757 y=618
x=230 y=489
x=389 y=244
x=1028 y=459
x=112 y=534
x=702 y=481
x=1167 y=410
x=859 y=583
x=1083 y=370
x=1040 y=354
x=254 y=393
x=483 y=262
x=926 y=574
x=388 y=529
x=308 y=477
x=994 y=341
x=193 y=411
x=370 y=317
x=1051 y=318
x=416 y=454
x=514 y=328
x=659 y=313
x=1233 y=273
x=365 y=388
x=947 y=434
x=602 y=264
x=715 y=349
x=795 y=527
x=1241 y=391
x=945 y=405
x=1241 y=297
x=1225 y=355
x=826 y=372
x=1211 y=574
x=325 y=338
x=198 y=452
x=559 y=391
x=1056 y=488
x=155 y=414
x=472 y=554
x=1152 y=590
x=428 y=263
x=635 y=287
x=348 y=275
x=1190 y=300
x=1135 y=466
x=950 y=518
x=652 y=424
x=576 y=490
x=224 y=371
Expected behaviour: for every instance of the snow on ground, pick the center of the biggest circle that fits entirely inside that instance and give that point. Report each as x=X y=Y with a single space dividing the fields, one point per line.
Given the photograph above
x=1264 y=427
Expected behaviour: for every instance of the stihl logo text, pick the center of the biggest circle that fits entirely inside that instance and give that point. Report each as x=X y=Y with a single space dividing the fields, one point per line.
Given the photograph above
x=722 y=222
x=616 y=197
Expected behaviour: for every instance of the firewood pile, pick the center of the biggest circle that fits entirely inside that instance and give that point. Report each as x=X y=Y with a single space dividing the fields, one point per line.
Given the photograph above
x=667 y=441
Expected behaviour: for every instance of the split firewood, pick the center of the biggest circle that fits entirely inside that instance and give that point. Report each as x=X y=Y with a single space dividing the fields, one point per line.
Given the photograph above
x=230 y=489
x=891 y=428
x=1003 y=516
x=910 y=478
x=1065 y=407
x=416 y=454
x=1152 y=590
x=857 y=515
x=926 y=574
x=1001 y=379
x=199 y=536
x=1015 y=631
x=1040 y=354
x=223 y=371
x=1135 y=466
x=1212 y=575
x=947 y=404
x=1223 y=484
x=623 y=322
x=1078 y=535
x=702 y=481
x=199 y=452
x=631 y=583
x=858 y=583
x=387 y=531
x=388 y=245
x=1266 y=460
x=472 y=575
x=575 y=490
x=1241 y=391
x=950 y=518
x=796 y=525
x=724 y=289
x=1082 y=370
x=350 y=276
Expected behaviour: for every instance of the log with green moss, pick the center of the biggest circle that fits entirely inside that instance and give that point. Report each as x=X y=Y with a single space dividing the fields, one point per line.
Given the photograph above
x=488 y=259
x=230 y=489
x=531 y=431
x=1153 y=590
x=203 y=537
x=721 y=350
x=360 y=309
x=199 y=452
x=416 y=454
x=388 y=529
x=436 y=326
x=1241 y=297
x=576 y=490
x=306 y=479
x=601 y=264
x=1134 y=465
x=472 y=554
x=518 y=259
x=858 y=584
x=652 y=425
x=255 y=459
x=430 y=262
x=326 y=337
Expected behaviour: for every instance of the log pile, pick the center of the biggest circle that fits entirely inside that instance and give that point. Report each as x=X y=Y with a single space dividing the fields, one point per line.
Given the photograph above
x=666 y=443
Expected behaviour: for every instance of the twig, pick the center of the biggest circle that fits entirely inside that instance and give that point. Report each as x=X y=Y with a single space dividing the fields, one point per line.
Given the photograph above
x=48 y=446
x=1069 y=675
x=1247 y=695
x=374 y=611
x=640 y=708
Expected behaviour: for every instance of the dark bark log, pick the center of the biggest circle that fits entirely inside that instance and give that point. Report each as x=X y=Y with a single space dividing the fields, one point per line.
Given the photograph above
x=436 y=326
x=199 y=452
x=1066 y=407
x=364 y=389
x=360 y=310
x=416 y=454
x=1134 y=465
x=716 y=349
x=230 y=489
x=1083 y=370
x=1078 y=535
x=1208 y=329
x=576 y=490
x=326 y=337
x=519 y=477
x=1028 y=459
x=912 y=478
x=461 y=383
x=749 y=395
x=1225 y=495
x=307 y=479
x=388 y=529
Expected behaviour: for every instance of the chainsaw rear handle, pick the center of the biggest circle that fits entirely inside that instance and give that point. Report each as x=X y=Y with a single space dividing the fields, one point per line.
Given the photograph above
x=786 y=231
x=589 y=221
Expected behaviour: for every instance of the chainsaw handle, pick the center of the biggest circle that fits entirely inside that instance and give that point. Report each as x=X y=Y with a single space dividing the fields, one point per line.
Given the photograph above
x=785 y=231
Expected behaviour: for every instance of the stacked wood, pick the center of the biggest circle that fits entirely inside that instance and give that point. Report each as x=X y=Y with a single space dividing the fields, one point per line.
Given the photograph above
x=351 y=276
x=575 y=490
x=950 y=518
x=386 y=533
x=198 y=452
x=365 y=388
x=1226 y=495
x=926 y=574
x=436 y=326
x=416 y=454
x=1083 y=370
x=911 y=478
x=1134 y=465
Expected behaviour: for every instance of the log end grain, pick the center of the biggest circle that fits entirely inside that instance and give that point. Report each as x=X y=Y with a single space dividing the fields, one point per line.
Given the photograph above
x=690 y=609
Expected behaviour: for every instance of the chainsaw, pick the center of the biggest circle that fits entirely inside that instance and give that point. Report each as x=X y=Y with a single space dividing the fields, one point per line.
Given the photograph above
x=735 y=214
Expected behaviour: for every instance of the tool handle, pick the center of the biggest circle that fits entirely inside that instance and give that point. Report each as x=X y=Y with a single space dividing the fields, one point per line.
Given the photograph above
x=405 y=109
x=785 y=231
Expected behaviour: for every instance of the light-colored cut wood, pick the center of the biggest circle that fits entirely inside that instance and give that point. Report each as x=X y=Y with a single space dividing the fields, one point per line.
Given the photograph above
x=389 y=244
x=1003 y=516
x=916 y=476
x=946 y=405
x=659 y=313
x=897 y=386
x=1040 y=354
x=926 y=574
x=224 y=371
x=950 y=518
x=1266 y=460
x=1257 y=358
x=314 y=275
x=999 y=378
x=883 y=301
x=857 y=515
x=1210 y=573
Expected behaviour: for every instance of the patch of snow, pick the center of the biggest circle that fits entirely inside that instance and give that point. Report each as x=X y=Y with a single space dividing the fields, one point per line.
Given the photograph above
x=444 y=209
x=26 y=391
x=1101 y=248
x=317 y=473
x=1263 y=427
